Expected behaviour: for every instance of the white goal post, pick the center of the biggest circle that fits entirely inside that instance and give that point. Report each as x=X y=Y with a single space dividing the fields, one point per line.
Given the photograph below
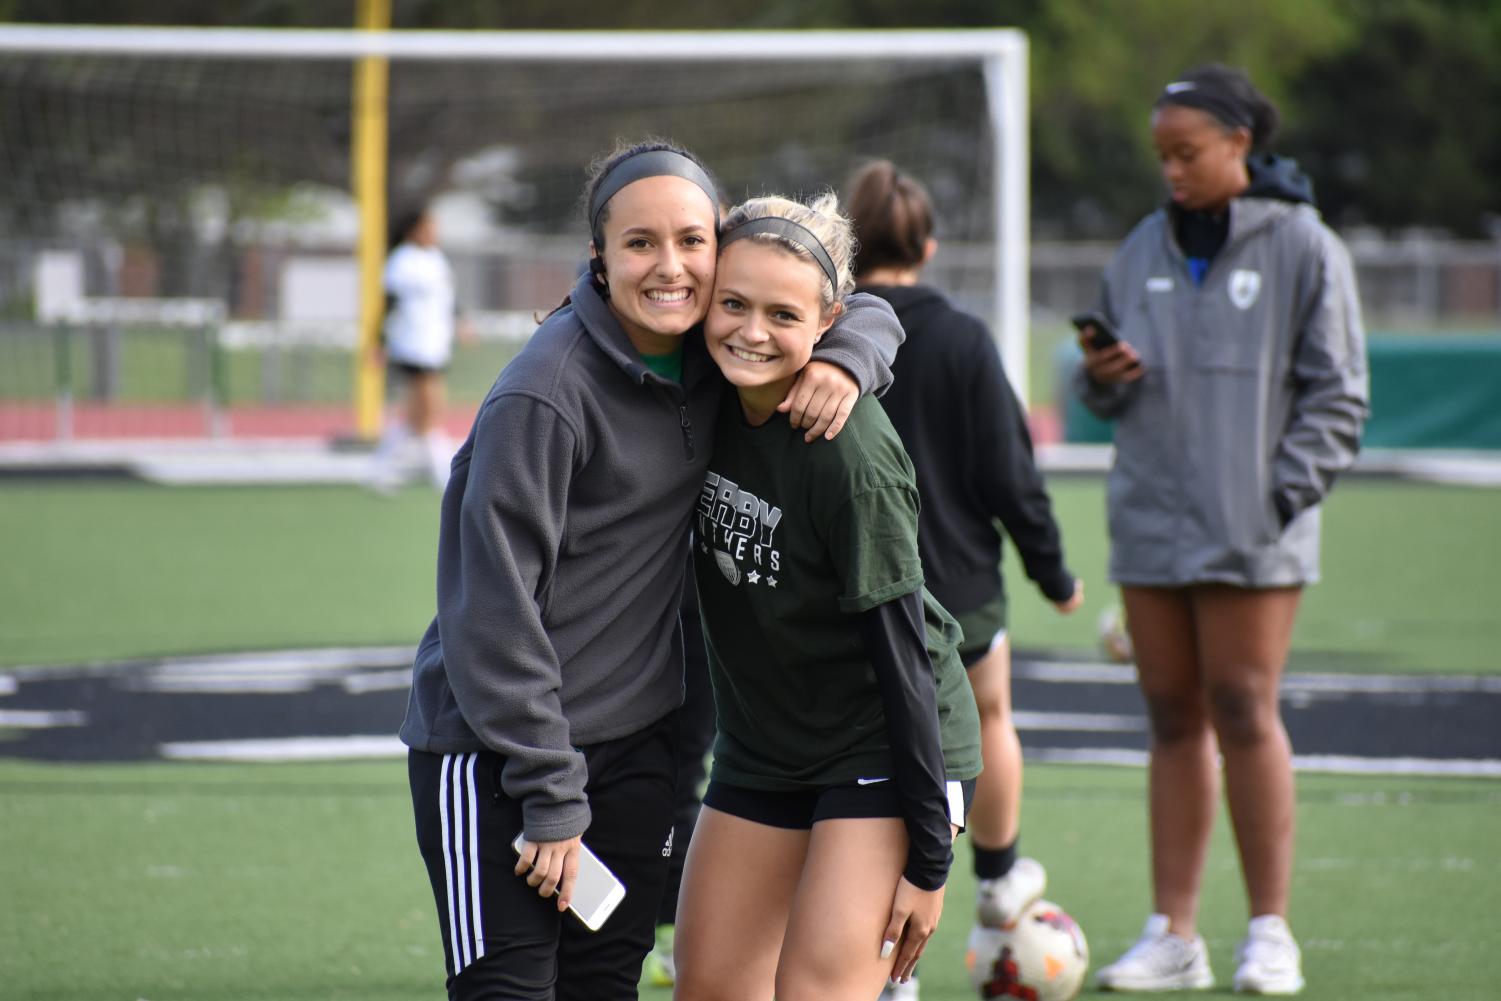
x=999 y=54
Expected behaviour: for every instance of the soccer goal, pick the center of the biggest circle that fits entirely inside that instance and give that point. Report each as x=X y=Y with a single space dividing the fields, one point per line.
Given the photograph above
x=214 y=165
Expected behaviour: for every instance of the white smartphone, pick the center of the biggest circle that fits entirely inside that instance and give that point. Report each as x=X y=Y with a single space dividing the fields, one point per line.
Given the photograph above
x=596 y=890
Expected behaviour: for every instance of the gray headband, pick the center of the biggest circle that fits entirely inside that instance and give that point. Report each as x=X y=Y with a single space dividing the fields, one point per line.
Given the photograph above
x=652 y=163
x=787 y=230
x=1219 y=102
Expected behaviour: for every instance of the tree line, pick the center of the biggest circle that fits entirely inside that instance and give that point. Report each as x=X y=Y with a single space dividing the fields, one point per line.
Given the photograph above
x=1389 y=105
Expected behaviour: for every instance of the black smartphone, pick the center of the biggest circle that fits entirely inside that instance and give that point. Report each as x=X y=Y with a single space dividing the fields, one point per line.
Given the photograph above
x=1104 y=334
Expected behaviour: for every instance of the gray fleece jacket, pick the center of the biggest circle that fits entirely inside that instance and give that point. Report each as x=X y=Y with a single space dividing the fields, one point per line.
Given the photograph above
x=1253 y=398
x=562 y=544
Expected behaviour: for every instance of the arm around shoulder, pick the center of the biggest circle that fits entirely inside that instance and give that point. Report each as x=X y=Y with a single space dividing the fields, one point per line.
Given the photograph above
x=863 y=341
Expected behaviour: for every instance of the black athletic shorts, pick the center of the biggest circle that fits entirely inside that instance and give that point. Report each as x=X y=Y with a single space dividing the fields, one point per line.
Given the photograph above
x=799 y=811
x=405 y=369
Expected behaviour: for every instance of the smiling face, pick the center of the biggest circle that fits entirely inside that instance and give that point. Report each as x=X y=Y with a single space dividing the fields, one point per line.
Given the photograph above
x=765 y=318
x=659 y=247
x=1203 y=163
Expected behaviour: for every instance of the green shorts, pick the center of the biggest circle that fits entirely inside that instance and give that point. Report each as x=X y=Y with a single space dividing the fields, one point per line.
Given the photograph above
x=981 y=628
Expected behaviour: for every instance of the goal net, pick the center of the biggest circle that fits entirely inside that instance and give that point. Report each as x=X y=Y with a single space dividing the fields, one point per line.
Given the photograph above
x=177 y=233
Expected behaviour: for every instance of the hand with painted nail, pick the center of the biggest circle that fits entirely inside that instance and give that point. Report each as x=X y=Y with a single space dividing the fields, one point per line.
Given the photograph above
x=914 y=918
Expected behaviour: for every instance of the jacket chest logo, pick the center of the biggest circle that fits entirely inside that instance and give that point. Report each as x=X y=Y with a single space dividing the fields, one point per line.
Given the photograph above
x=1244 y=287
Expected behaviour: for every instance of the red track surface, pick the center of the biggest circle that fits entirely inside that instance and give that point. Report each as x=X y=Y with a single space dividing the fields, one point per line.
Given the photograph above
x=38 y=421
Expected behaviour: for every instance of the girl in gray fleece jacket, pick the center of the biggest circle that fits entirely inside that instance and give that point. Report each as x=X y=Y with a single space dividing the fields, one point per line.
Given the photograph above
x=543 y=693
x=1238 y=388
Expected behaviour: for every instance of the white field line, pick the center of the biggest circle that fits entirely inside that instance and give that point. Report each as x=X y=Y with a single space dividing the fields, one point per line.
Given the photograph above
x=331 y=659
x=394 y=680
x=1335 y=764
x=285 y=673
x=316 y=662
x=42 y=719
x=1079 y=722
x=1060 y=672
x=1087 y=673
x=213 y=684
x=285 y=749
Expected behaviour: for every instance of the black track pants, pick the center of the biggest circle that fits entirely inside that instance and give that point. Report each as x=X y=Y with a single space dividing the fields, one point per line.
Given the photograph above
x=500 y=939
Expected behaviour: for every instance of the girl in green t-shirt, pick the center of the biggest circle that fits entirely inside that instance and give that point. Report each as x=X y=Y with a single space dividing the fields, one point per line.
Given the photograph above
x=848 y=737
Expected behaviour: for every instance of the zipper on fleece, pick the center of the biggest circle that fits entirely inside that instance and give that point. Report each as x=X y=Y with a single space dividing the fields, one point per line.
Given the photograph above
x=687 y=426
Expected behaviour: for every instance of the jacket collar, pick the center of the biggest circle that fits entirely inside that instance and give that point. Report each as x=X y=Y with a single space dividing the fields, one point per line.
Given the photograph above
x=1248 y=216
x=610 y=337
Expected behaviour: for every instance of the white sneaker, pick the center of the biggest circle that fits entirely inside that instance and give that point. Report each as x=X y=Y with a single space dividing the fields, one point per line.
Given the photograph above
x=1159 y=961
x=1268 y=961
x=900 y=992
x=1001 y=901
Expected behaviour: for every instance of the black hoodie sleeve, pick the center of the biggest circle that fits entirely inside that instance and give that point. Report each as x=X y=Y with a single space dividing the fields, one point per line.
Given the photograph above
x=895 y=636
x=1006 y=475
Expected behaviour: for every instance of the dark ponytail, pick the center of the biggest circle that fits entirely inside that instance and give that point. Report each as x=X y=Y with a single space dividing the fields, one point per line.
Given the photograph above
x=1227 y=93
x=892 y=215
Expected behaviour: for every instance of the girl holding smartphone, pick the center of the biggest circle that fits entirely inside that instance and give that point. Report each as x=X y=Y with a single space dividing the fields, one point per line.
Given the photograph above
x=544 y=692
x=1239 y=390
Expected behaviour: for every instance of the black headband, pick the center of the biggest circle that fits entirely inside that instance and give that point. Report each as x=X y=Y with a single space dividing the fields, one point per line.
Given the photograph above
x=1226 y=107
x=652 y=163
x=787 y=230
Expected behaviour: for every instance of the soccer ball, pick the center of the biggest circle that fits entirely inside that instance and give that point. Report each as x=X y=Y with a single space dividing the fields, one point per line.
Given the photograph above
x=1115 y=642
x=1042 y=957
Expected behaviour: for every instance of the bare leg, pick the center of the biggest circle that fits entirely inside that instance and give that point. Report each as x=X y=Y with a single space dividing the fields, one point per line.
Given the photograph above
x=1243 y=639
x=425 y=418
x=996 y=813
x=424 y=401
x=833 y=947
x=738 y=886
x=1183 y=775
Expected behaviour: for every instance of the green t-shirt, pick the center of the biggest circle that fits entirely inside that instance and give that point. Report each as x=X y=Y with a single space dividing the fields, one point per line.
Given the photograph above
x=793 y=540
x=668 y=366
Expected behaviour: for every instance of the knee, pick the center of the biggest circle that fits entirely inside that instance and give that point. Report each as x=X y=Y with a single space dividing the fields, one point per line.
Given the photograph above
x=803 y=986
x=1242 y=714
x=694 y=988
x=1177 y=717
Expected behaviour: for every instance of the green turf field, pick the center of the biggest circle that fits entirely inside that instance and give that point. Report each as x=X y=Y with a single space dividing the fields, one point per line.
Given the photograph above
x=105 y=570
x=292 y=882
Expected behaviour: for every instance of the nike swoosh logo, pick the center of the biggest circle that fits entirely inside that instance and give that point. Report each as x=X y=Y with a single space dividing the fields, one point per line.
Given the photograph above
x=870 y=782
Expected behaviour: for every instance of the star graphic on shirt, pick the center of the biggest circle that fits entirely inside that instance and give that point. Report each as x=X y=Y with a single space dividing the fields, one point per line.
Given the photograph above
x=753 y=577
x=771 y=582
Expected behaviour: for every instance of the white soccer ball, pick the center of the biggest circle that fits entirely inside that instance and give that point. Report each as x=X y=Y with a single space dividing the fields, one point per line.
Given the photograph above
x=1042 y=957
x=1115 y=642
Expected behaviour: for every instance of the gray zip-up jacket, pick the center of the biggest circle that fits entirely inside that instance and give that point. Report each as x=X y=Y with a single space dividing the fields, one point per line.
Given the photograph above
x=1252 y=401
x=562 y=545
